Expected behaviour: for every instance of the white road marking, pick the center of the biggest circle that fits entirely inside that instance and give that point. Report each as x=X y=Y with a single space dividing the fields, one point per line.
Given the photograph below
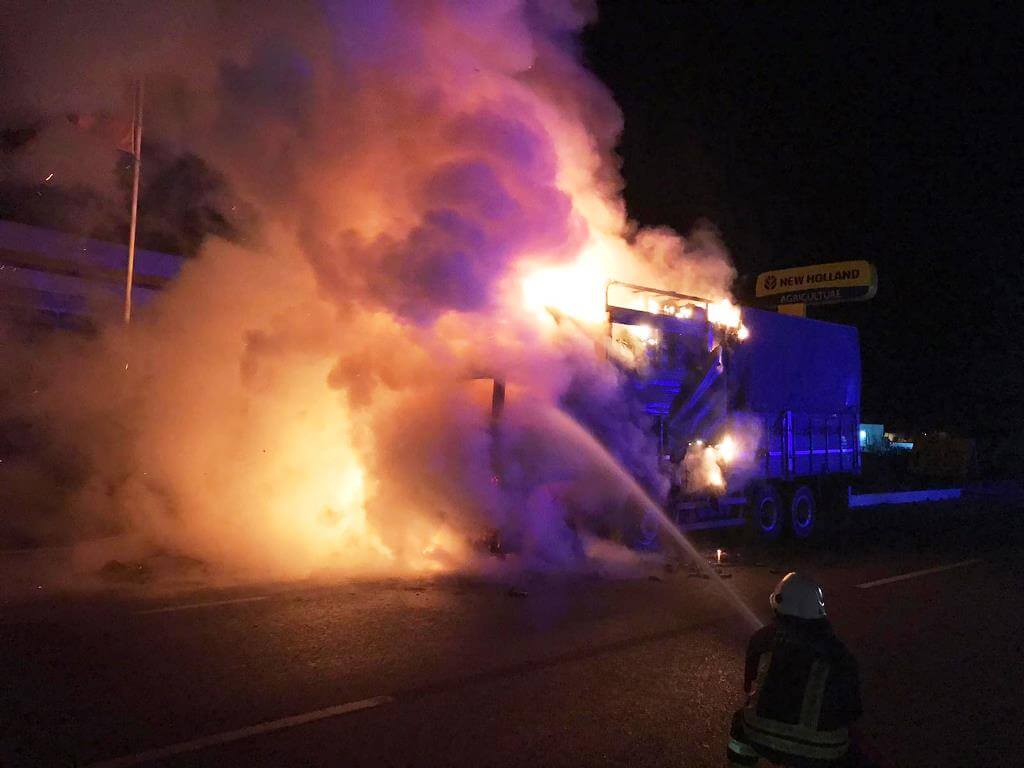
x=162 y=753
x=210 y=604
x=915 y=574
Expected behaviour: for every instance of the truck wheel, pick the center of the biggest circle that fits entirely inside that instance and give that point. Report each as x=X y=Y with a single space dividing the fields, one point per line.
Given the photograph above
x=803 y=514
x=767 y=512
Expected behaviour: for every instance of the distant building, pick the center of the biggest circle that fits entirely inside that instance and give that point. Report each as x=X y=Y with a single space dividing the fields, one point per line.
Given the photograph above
x=874 y=439
x=871 y=438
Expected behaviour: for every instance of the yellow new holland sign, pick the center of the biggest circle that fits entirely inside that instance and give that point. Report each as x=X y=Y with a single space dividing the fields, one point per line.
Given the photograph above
x=819 y=284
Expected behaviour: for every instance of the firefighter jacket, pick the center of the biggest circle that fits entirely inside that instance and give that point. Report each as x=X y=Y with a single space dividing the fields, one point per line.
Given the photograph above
x=808 y=690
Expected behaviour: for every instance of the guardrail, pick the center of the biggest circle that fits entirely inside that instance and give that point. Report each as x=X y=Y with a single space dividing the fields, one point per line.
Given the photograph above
x=903 y=497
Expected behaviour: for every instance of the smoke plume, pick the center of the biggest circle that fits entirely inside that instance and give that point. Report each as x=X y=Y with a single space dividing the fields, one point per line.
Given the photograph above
x=433 y=182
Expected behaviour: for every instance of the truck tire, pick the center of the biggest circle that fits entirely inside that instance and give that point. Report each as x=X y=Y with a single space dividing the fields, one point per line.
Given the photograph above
x=766 y=512
x=804 y=515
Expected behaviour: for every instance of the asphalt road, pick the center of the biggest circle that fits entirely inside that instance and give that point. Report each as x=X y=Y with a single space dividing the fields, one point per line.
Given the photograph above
x=581 y=671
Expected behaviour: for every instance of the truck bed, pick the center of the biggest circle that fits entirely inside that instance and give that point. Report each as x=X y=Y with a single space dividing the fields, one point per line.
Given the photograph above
x=801 y=379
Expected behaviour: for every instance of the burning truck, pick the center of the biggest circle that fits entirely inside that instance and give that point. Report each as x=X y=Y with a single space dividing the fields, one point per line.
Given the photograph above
x=754 y=414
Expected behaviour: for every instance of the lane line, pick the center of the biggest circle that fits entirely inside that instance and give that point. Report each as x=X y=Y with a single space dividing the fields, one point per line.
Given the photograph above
x=210 y=604
x=161 y=753
x=915 y=574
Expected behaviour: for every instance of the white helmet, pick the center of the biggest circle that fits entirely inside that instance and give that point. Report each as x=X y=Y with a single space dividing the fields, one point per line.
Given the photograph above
x=798 y=596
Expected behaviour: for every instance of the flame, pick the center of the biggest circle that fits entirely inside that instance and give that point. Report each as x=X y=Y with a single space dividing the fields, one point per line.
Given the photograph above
x=702 y=469
x=704 y=465
x=726 y=450
x=642 y=333
x=444 y=549
x=575 y=290
x=725 y=314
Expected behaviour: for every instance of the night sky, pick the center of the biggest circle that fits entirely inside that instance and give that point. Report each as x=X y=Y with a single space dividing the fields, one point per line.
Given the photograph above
x=819 y=132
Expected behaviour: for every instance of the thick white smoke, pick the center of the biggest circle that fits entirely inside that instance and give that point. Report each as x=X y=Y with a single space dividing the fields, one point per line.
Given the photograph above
x=305 y=400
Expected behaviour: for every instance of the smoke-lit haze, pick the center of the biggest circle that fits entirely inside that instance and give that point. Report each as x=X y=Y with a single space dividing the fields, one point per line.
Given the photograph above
x=427 y=178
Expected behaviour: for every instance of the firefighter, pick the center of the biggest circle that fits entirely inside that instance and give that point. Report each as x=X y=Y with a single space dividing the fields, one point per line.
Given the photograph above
x=807 y=692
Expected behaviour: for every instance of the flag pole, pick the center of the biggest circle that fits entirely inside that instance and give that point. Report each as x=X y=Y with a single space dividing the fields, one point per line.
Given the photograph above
x=136 y=168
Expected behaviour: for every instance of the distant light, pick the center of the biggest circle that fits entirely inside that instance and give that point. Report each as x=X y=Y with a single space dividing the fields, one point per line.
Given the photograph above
x=743 y=333
x=49 y=177
x=863 y=435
